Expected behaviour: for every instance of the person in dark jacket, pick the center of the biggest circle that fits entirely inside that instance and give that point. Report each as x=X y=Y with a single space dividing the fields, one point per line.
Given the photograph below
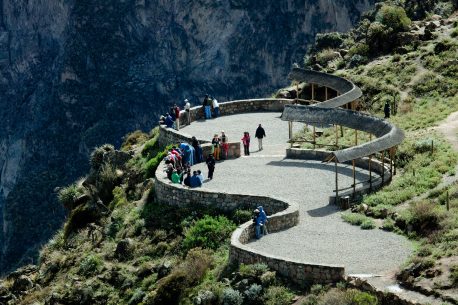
x=211 y=165
x=168 y=121
x=387 y=110
x=260 y=134
x=263 y=219
x=195 y=181
x=257 y=223
x=187 y=180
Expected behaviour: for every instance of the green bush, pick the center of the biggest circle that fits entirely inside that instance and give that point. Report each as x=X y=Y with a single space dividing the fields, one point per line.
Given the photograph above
x=393 y=17
x=368 y=224
x=388 y=224
x=242 y=216
x=363 y=298
x=454 y=275
x=68 y=195
x=255 y=270
x=331 y=40
x=119 y=198
x=152 y=164
x=361 y=49
x=355 y=219
x=268 y=278
x=253 y=295
x=89 y=265
x=327 y=55
x=232 y=297
x=208 y=232
x=278 y=295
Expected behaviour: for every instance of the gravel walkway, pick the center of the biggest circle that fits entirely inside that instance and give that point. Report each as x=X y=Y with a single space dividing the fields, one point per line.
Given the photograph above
x=321 y=236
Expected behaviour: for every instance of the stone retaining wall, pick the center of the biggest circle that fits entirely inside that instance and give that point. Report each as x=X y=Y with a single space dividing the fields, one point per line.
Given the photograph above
x=283 y=216
x=169 y=135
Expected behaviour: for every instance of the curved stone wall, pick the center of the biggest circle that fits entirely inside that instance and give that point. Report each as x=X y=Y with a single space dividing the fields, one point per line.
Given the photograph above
x=327 y=112
x=283 y=216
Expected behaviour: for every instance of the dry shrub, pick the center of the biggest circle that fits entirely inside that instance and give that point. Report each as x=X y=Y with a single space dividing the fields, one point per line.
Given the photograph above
x=196 y=264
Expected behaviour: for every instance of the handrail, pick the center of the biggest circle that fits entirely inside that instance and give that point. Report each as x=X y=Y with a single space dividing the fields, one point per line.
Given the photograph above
x=327 y=112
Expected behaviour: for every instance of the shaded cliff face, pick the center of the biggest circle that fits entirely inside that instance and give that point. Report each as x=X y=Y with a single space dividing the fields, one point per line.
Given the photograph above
x=77 y=74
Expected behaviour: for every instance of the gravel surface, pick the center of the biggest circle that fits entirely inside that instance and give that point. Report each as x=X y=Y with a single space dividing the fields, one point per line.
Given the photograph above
x=321 y=236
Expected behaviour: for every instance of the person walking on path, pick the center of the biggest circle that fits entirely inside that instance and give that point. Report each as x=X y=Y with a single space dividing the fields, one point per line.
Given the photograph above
x=224 y=145
x=216 y=146
x=207 y=107
x=211 y=166
x=187 y=109
x=215 y=107
x=260 y=134
x=246 y=143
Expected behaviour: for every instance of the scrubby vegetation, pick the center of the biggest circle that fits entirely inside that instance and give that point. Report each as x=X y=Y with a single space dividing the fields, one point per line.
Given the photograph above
x=403 y=54
x=119 y=246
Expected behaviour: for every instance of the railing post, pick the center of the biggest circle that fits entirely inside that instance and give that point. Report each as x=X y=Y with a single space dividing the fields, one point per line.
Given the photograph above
x=354 y=179
x=337 y=181
x=370 y=167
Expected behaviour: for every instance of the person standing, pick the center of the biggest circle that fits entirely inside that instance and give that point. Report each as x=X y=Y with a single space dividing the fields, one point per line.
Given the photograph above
x=177 y=116
x=215 y=107
x=207 y=107
x=246 y=143
x=224 y=145
x=187 y=109
x=387 y=110
x=216 y=146
x=260 y=134
x=257 y=223
x=211 y=166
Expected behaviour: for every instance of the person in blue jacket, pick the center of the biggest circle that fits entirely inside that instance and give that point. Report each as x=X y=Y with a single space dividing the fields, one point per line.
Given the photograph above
x=195 y=181
x=189 y=153
x=263 y=216
x=168 y=121
x=257 y=223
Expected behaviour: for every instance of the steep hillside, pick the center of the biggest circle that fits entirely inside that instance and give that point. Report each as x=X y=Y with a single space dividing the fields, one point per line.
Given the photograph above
x=77 y=74
x=120 y=247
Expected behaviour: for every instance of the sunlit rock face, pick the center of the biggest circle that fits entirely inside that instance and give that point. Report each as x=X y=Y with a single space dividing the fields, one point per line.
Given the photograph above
x=77 y=74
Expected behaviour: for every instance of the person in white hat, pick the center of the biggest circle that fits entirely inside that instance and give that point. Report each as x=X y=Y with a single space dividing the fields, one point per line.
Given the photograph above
x=187 y=108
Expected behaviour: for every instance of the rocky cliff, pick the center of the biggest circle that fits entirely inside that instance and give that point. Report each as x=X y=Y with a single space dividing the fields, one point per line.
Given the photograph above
x=77 y=74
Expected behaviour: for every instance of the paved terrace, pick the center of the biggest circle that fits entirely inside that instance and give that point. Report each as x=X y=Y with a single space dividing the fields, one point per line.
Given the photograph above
x=321 y=236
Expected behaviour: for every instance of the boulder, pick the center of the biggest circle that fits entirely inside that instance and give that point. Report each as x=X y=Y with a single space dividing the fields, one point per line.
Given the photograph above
x=163 y=269
x=124 y=249
x=22 y=284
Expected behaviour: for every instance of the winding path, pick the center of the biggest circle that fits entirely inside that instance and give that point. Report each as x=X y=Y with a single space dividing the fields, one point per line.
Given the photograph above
x=321 y=236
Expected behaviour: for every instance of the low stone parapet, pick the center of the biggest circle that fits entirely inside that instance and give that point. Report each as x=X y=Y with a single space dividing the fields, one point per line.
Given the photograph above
x=283 y=216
